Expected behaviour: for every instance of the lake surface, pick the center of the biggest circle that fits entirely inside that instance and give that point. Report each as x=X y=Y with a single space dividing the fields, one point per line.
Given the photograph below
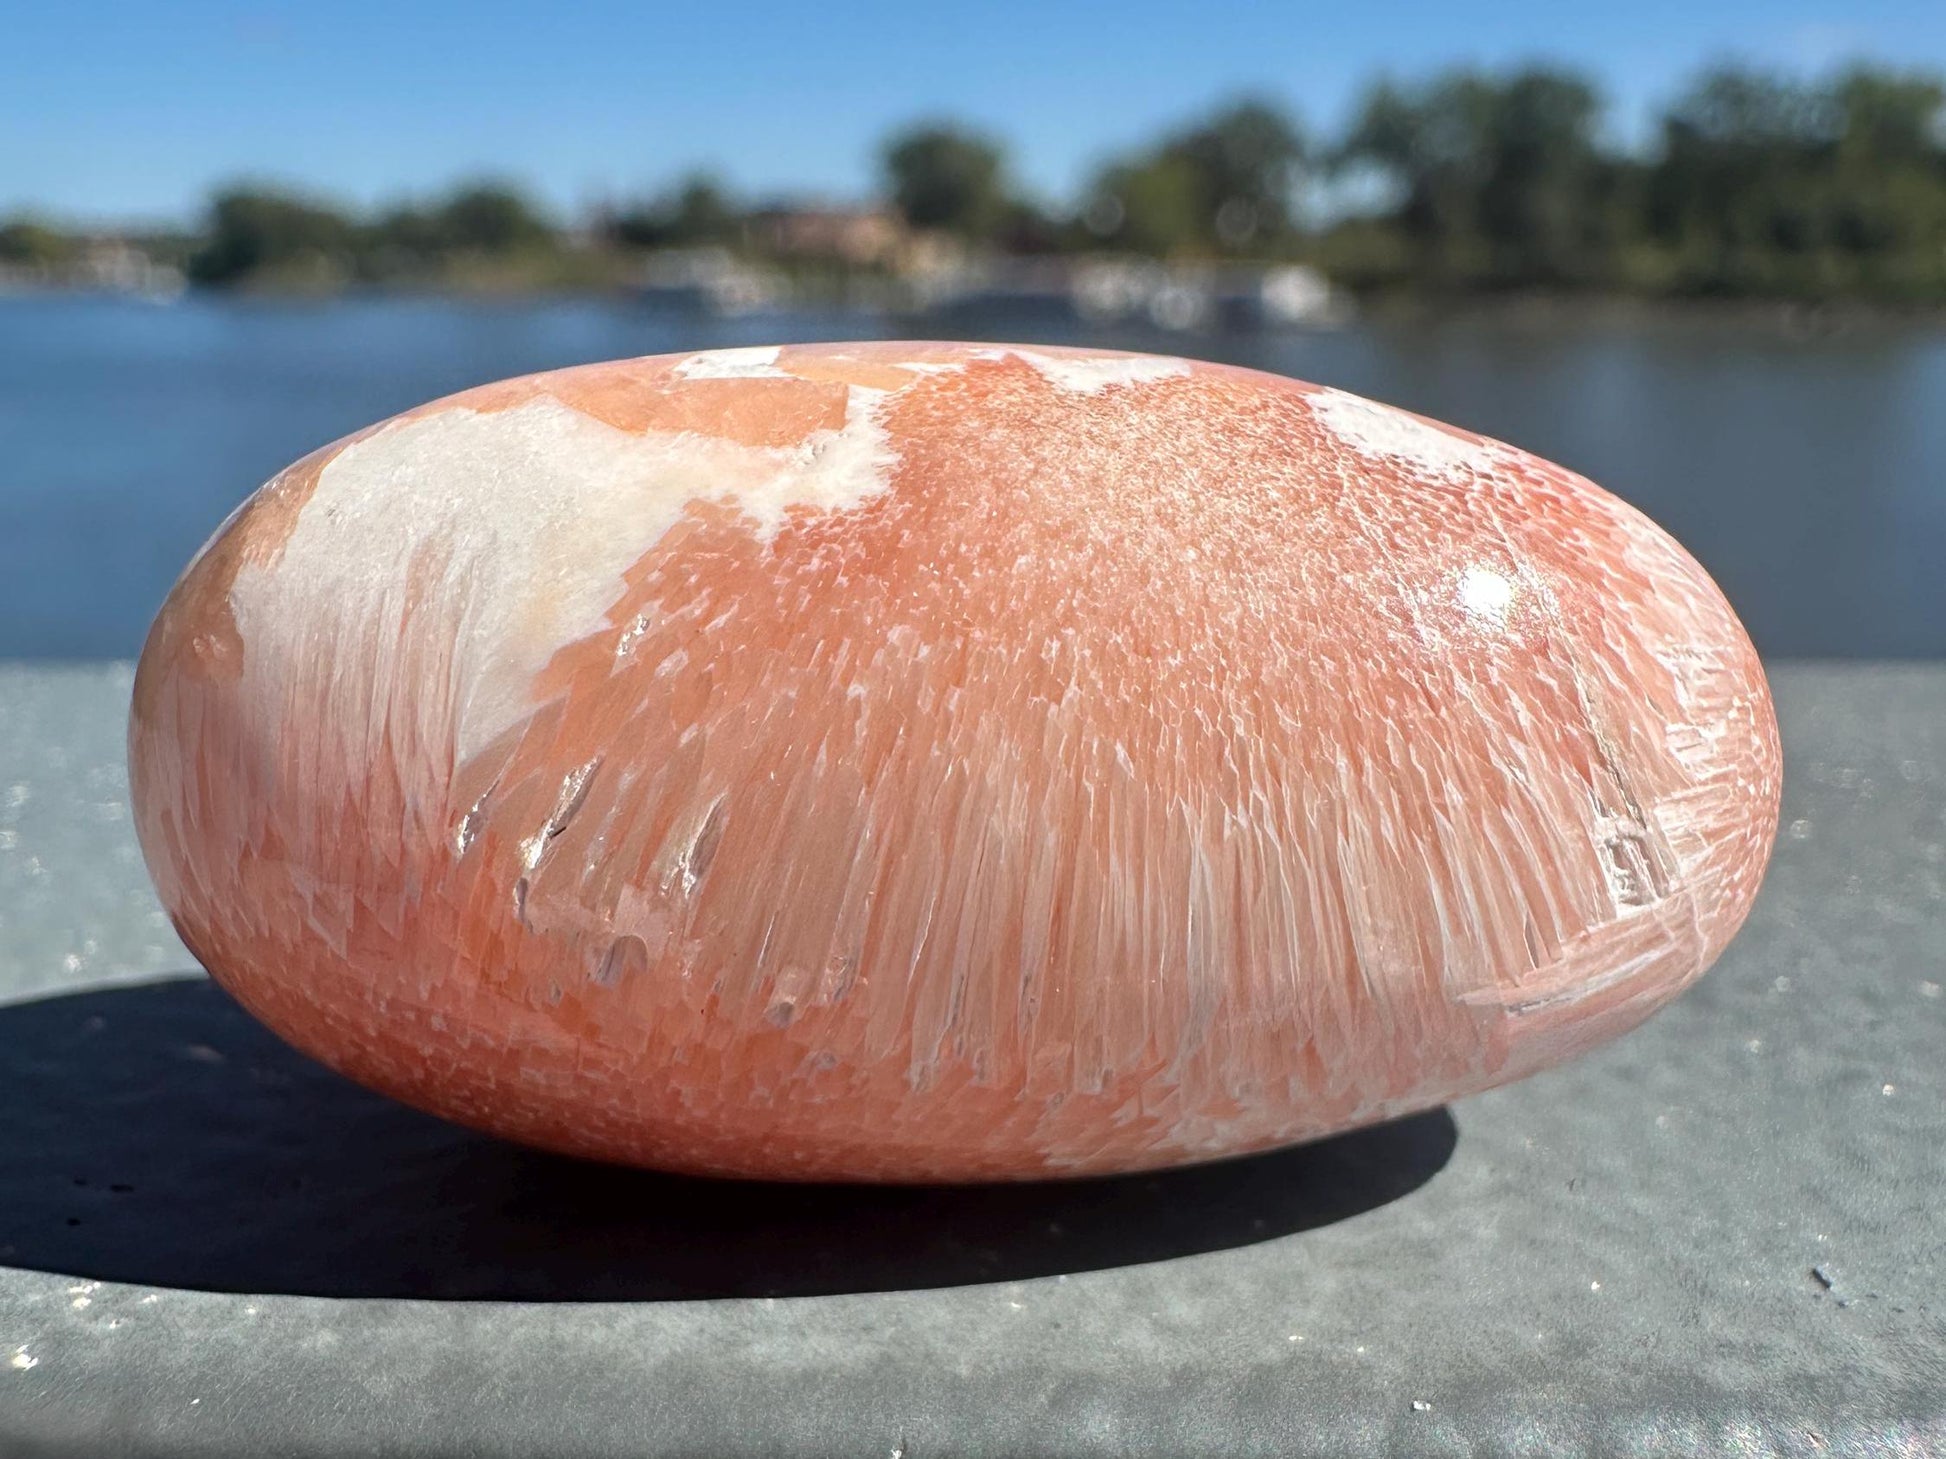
x=1807 y=474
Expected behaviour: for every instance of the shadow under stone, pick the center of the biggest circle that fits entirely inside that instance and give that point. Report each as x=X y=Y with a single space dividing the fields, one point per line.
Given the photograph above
x=158 y=1136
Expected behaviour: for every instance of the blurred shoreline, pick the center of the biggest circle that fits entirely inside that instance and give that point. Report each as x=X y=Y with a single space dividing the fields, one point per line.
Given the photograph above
x=1468 y=189
x=1172 y=300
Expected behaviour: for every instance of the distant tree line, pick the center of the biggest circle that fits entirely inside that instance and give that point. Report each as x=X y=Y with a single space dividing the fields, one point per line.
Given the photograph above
x=254 y=231
x=1757 y=186
x=1754 y=185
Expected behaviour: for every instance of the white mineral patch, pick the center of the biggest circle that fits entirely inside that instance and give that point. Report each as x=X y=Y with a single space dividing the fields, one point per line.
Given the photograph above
x=526 y=520
x=1092 y=374
x=758 y=363
x=1486 y=594
x=1386 y=433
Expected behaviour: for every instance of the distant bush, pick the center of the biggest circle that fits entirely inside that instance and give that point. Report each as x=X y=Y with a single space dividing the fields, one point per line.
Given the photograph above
x=946 y=177
x=258 y=231
x=264 y=234
x=1228 y=185
x=27 y=243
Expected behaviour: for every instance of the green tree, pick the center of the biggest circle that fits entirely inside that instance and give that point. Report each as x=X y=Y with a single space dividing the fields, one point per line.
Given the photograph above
x=1889 y=117
x=943 y=176
x=695 y=211
x=1889 y=187
x=1151 y=205
x=405 y=239
x=1767 y=185
x=27 y=242
x=251 y=231
x=1247 y=161
x=1500 y=180
x=1740 y=154
x=489 y=217
x=1225 y=185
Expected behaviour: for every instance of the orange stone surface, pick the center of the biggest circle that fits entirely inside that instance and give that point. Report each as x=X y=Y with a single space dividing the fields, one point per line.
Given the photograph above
x=920 y=761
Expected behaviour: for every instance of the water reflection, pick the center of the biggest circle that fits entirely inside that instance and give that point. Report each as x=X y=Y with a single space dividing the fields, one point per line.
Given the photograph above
x=1807 y=473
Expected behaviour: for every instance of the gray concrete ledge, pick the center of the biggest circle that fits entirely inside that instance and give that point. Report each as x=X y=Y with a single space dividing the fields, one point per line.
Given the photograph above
x=1722 y=1234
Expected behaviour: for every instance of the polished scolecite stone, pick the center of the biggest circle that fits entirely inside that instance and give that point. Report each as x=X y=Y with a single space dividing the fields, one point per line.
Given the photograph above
x=913 y=761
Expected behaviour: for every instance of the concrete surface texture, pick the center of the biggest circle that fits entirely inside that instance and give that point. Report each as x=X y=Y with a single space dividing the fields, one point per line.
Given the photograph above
x=1720 y=1234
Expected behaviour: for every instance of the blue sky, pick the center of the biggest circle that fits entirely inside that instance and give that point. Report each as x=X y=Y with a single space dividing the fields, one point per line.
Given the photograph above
x=134 y=111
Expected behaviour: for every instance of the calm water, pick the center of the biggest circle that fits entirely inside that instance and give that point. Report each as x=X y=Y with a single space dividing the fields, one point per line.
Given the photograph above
x=1808 y=475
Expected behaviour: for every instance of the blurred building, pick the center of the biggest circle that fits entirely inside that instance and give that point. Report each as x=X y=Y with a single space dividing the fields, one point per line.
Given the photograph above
x=865 y=237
